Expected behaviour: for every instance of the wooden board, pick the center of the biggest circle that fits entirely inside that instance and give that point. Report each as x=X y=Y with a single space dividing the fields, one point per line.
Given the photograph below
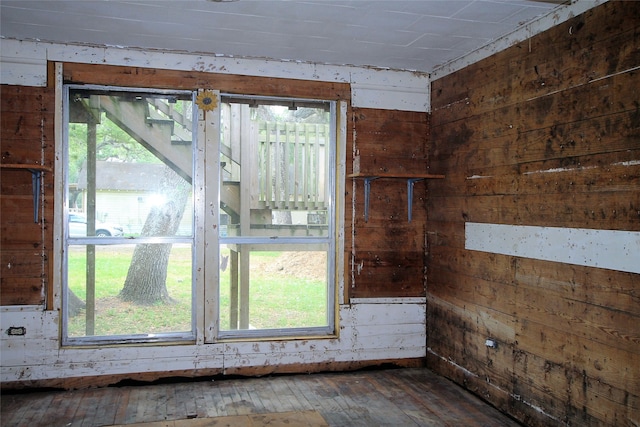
x=387 y=257
x=191 y=80
x=25 y=245
x=297 y=418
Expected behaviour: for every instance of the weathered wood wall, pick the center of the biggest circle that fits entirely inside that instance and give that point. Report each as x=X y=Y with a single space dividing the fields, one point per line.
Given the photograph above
x=27 y=116
x=386 y=253
x=545 y=133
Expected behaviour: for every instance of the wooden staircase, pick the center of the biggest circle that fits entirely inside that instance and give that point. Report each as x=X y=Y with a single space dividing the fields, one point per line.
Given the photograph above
x=285 y=164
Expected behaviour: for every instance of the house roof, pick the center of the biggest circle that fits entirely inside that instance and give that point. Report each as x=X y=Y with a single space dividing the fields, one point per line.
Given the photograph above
x=120 y=176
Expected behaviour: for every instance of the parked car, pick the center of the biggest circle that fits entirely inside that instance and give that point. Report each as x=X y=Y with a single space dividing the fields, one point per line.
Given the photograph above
x=78 y=227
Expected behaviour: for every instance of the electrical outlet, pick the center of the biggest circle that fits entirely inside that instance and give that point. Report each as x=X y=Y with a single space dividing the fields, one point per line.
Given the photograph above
x=17 y=330
x=491 y=343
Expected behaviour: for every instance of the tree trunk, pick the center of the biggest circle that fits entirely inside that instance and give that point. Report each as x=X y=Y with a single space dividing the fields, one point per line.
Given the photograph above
x=75 y=304
x=146 y=281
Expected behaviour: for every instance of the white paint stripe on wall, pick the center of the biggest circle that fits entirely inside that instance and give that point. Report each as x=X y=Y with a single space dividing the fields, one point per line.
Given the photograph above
x=610 y=249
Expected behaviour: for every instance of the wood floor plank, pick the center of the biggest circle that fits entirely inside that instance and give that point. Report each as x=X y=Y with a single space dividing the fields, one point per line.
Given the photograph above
x=132 y=405
x=104 y=400
x=216 y=396
x=108 y=414
x=71 y=411
x=280 y=401
x=299 y=400
x=171 y=410
x=334 y=404
x=144 y=401
x=200 y=390
x=410 y=405
x=282 y=390
x=264 y=394
x=227 y=392
x=393 y=397
x=121 y=406
x=35 y=415
x=185 y=400
x=365 y=395
x=209 y=400
x=254 y=397
x=89 y=404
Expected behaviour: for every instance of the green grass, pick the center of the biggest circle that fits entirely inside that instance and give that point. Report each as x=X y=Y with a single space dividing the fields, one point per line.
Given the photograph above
x=277 y=299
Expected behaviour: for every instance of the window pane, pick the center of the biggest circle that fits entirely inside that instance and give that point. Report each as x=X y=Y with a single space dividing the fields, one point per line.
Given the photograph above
x=272 y=289
x=129 y=161
x=275 y=169
x=106 y=277
x=130 y=164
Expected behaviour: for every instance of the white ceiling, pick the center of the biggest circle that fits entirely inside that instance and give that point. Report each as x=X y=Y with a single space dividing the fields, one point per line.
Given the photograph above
x=398 y=34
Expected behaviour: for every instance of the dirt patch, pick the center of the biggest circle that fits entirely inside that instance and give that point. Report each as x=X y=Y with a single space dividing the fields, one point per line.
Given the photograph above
x=306 y=265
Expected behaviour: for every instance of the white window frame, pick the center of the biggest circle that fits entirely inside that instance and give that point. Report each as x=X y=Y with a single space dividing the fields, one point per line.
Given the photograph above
x=331 y=240
x=205 y=247
x=62 y=213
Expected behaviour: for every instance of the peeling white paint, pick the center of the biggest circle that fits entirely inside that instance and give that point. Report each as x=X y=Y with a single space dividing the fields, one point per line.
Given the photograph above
x=573 y=169
x=611 y=249
x=367 y=332
x=398 y=300
x=452 y=363
x=479 y=176
x=25 y=63
x=629 y=163
x=557 y=170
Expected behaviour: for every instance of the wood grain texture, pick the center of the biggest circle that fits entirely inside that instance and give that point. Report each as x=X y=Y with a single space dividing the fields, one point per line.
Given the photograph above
x=545 y=133
x=27 y=140
x=387 y=255
x=391 y=397
x=190 y=80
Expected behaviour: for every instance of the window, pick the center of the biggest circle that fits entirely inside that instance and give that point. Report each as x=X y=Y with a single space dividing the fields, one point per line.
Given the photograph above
x=277 y=248
x=144 y=257
x=129 y=240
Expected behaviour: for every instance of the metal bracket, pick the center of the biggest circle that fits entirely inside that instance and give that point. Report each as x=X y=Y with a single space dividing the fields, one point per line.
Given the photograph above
x=367 y=193
x=411 y=179
x=35 y=183
x=410 y=182
x=36 y=175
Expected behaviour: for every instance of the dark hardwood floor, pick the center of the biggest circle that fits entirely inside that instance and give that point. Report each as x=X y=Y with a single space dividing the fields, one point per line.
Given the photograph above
x=390 y=397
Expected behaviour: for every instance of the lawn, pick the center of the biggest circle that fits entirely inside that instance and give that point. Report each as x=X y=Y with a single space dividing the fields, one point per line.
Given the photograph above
x=287 y=289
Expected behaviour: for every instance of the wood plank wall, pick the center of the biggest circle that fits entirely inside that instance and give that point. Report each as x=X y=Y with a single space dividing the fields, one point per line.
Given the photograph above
x=26 y=135
x=387 y=253
x=567 y=102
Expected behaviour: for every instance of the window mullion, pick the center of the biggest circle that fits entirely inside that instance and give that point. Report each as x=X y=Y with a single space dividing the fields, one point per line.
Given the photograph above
x=209 y=183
